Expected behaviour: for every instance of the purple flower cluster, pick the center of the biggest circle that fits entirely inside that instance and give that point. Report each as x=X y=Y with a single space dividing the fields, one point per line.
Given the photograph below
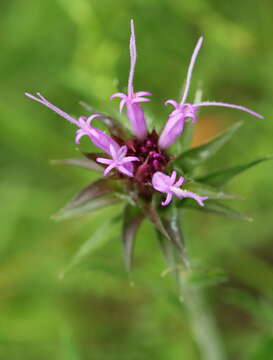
x=143 y=158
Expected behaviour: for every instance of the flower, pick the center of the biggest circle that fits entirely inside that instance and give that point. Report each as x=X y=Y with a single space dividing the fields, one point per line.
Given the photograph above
x=168 y=184
x=131 y=100
x=143 y=158
x=182 y=111
x=98 y=137
x=119 y=161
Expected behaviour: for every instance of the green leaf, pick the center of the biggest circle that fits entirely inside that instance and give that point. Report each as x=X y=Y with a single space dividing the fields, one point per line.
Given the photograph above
x=207 y=190
x=192 y=158
x=221 y=177
x=96 y=241
x=132 y=220
x=79 y=162
x=214 y=206
x=96 y=195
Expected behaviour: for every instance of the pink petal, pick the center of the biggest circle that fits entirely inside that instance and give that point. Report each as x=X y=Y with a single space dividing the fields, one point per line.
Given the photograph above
x=118 y=95
x=123 y=170
x=130 y=159
x=171 y=102
x=104 y=161
x=168 y=200
x=139 y=99
x=143 y=93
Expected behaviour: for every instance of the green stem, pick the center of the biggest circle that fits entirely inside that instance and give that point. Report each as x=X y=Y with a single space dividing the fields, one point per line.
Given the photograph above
x=202 y=321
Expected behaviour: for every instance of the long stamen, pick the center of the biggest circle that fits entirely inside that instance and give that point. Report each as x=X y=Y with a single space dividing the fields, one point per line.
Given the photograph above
x=133 y=56
x=45 y=102
x=191 y=66
x=233 y=106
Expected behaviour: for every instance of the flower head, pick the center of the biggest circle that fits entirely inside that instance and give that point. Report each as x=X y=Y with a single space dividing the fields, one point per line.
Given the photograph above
x=175 y=124
x=132 y=100
x=169 y=185
x=143 y=158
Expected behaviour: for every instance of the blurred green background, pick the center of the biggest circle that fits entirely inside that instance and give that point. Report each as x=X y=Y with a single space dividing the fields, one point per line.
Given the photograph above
x=72 y=50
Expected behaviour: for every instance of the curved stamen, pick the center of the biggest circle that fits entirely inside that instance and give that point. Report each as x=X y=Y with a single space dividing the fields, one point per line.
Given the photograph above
x=191 y=66
x=233 y=106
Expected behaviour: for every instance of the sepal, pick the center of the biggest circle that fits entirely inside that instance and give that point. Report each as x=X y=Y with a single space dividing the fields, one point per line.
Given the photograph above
x=99 y=194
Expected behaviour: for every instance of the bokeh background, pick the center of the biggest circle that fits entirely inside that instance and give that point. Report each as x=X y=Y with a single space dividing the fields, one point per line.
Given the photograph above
x=72 y=50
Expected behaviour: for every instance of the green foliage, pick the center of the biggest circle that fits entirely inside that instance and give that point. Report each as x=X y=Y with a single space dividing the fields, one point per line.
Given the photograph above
x=189 y=160
x=222 y=177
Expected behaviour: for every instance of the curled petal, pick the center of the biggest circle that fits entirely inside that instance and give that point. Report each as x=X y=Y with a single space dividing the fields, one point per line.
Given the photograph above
x=91 y=118
x=118 y=95
x=121 y=105
x=171 y=102
x=179 y=182
x=167 y=200
x=173 y=176
x=80 y=133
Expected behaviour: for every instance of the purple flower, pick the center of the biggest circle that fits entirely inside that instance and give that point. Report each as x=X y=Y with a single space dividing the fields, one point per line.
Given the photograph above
x=168 y=184
x=182 y=111
x=98 y=137
x=143 y=157
x=131 y=100
x=119 y=161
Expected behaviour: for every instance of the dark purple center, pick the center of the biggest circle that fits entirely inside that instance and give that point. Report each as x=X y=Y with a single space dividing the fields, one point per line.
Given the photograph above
x=151 y=158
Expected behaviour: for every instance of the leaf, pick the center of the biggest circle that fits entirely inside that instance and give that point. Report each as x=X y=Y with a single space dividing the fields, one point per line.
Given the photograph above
x=132 y=220
x=113 y=125
x=207 y=190
x=214 y=207
x=221 y=177
x=97 y=240
x=79 y=162
x=94 y=196
x=189 y=159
